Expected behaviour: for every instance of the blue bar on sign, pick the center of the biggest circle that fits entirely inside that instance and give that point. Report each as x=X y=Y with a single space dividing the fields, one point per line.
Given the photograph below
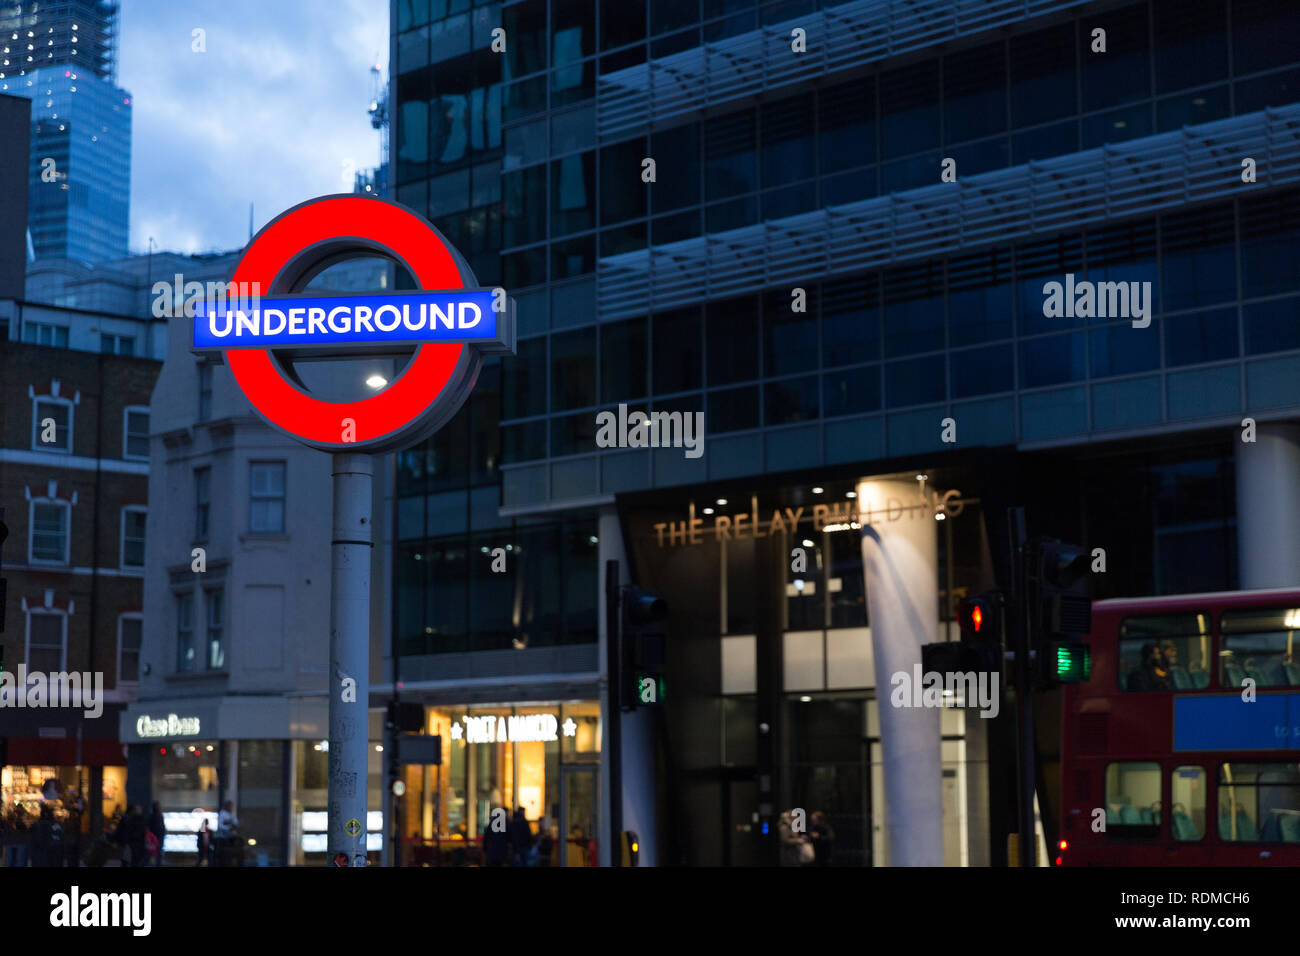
x=1269 y=722
x=291 y=321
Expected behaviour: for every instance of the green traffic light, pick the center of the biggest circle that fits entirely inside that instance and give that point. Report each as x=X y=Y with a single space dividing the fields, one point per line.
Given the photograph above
x=1073 y=663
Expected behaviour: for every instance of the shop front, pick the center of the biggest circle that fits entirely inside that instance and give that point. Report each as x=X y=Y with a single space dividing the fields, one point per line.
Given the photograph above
x=266 y=757
x=518 y=785
x=61 y=765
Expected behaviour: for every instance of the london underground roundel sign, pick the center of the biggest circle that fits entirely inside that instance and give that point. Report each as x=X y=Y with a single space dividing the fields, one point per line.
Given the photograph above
x=449 y=320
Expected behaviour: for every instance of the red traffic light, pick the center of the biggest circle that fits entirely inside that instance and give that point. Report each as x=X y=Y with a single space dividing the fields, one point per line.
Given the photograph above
x=978 y=616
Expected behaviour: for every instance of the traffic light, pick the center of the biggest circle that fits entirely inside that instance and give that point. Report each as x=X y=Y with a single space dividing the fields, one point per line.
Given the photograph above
x=980 y=647
x=642 y=607
x=640 y=648
x=980 y=618
x=1061 y=613
x=1069 y=662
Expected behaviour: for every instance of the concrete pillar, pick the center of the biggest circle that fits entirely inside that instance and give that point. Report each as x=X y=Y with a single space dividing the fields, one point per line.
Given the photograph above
x=638 y=764
x=1268 y=507
x=900 y=565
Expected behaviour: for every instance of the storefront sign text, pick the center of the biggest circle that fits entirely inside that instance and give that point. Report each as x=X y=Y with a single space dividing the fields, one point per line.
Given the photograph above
x=838 y=516
x=519 y=727
x=171 y=726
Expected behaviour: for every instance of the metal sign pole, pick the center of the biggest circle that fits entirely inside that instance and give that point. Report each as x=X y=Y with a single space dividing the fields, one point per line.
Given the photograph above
x=349 y=689
x=1020 y=554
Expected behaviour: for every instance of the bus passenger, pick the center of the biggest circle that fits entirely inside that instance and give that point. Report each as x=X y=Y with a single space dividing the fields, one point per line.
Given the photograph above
x=1152 y=673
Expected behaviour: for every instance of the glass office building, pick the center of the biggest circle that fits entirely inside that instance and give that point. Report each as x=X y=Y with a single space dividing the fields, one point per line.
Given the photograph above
x=843 y=242
x=79 y=34
x=62 y=56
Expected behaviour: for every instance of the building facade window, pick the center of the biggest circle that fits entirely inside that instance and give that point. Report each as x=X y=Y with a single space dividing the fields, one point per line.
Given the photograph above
x=47 y=641
x=50 y=522
x=133 y=524
x=44 y=333
x=185 y=632
x=52 y=424
x=266 y=497
x=116 y=344
x=135 y=433
x=215 y=599
x=130 y=628
x=205 y=392
x=202 y=502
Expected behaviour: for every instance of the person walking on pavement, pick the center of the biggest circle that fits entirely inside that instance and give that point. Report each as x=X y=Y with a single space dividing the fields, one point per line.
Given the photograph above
x=158 y=827
x=496 y=842
x=227 y=827
x=205 y=845
x=72 y=831
x=823 y=839
x=131 y=834
x=16 y=838
x=521 y=837
x=47 y=840
x=792 y=844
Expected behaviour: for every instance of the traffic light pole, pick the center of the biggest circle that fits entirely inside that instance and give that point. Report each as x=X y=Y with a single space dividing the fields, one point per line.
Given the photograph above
x=1024 y=684
x=614 y=694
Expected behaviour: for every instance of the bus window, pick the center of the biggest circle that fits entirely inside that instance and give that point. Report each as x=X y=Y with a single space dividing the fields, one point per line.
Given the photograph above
x=1260 y=643
x=1187 y=803
x=1259 y=802
x=1133 y=799
x=1164 y=652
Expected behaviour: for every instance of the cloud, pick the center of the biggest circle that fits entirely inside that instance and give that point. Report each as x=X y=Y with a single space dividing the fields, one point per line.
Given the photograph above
x=273 y=113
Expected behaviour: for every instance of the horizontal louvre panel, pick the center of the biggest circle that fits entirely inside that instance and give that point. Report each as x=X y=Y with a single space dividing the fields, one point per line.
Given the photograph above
x=844 y=36
x=1146 y=176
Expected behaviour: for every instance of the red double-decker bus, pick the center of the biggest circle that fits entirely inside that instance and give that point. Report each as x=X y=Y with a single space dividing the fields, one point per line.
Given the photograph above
x=1183 y=747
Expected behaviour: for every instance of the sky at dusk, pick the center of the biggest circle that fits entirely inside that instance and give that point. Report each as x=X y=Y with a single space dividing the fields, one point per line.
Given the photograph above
x=273 y=113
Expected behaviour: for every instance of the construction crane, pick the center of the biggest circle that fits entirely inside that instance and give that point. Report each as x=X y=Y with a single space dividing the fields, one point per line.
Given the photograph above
x=375 y=181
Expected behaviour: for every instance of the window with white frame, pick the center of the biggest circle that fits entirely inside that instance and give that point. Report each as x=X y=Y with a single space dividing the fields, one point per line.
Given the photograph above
x=130 y=629
x=52 y=424
x=215 y=598
x=47 y=638
x=135 y=432
x=266 y=497
x=50 y=522
x=133 y=520
x=185 y=631
x=45 y=333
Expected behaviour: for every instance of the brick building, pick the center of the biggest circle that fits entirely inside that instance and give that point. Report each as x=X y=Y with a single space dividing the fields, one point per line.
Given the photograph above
x=74 y=463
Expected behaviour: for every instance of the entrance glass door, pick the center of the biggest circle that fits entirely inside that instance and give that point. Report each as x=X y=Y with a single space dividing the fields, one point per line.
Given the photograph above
x=579 y=820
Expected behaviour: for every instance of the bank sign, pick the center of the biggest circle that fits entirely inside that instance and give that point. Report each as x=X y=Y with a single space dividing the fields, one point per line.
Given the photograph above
x=448 y=320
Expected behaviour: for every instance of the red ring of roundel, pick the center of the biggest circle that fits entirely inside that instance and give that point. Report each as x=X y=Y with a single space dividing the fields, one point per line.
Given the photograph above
x=430 y=370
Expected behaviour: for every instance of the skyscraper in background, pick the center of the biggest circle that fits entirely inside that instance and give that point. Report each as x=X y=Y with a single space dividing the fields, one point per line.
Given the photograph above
x=62 y=56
